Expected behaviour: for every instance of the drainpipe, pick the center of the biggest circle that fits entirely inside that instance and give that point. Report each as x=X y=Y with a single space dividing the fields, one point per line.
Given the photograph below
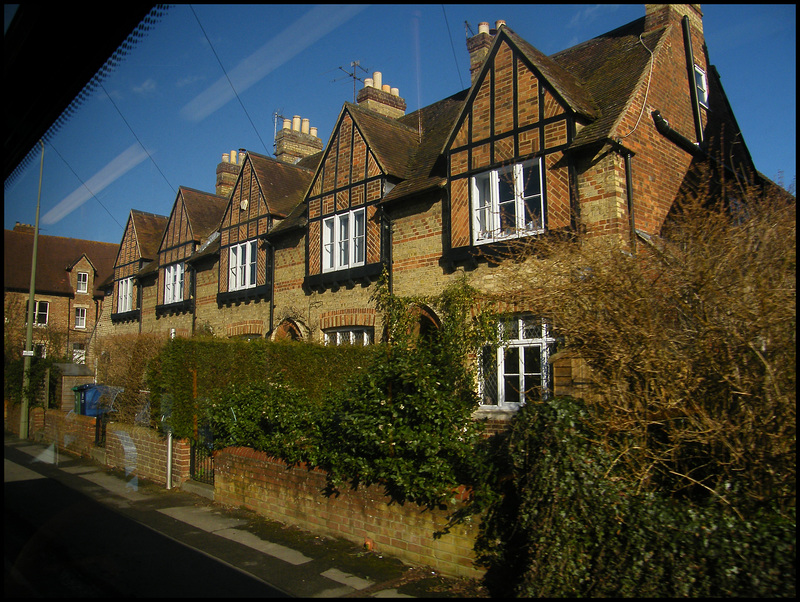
x=687 y=44
x=664 y=128
x=271 y=268
x=629 y=189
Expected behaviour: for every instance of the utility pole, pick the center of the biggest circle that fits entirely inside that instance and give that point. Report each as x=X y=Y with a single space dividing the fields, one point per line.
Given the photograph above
x=28 y=352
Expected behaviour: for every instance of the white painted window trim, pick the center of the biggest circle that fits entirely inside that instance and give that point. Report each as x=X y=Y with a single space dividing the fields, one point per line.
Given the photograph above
x=80 y=318
x=349 y=335
x=701 y=83
x=125 y=295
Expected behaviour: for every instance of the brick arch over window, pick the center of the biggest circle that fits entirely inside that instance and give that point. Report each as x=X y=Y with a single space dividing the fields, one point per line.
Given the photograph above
x=427 y=321
x=247 y=327
x=364 y=316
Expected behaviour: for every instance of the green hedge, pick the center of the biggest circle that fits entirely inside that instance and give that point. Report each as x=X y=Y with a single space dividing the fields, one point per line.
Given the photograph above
x=568 y=523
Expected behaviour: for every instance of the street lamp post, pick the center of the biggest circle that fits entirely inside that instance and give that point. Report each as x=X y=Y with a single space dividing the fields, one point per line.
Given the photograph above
x=28 y=352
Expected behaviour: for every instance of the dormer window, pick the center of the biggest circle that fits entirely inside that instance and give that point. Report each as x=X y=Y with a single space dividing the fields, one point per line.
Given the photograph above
x=701 y=83
x=507 y=202
x=83 y=282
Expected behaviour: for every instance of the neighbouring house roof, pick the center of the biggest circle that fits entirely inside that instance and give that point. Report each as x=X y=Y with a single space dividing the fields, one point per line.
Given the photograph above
x=204 y=211
x=149 y=229
x=55 y=255
x=282 y=184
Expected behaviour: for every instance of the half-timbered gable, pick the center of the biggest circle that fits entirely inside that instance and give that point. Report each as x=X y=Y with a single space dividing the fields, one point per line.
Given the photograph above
x=194 y=218
x=139 y=247
x=508 y=176
x=368 y=154
x=265 y=193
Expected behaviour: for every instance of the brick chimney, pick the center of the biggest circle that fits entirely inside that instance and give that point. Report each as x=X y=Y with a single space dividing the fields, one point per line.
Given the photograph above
x=381 y=97
x=228 y=171
x=296 y=140
x=661 y=15
x=25 y=228
x=478 y=46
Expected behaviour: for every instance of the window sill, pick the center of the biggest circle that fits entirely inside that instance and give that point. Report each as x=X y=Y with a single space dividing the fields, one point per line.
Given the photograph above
x=125 y=316
x=348 y=277
x=245 y=295
x=174 y=308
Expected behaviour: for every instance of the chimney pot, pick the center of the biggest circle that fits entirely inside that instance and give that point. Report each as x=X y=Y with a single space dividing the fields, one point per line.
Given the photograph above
x=386 y=88
x=314 y=132
x=483 y=27
x=367 y=82
x=499 y=23
x=226 y=158
x=241 y=156
x=395 y=92
x=287 y=124
x=304 y=127
x=296 y=123
x=233 y=157
x=377 y=78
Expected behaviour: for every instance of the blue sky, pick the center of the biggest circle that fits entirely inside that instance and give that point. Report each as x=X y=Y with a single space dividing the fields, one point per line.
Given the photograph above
x=166 y=115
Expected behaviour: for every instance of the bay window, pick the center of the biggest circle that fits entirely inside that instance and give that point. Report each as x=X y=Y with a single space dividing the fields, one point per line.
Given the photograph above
x=242 y=262
x=507 y=202
x=173 y=283
x=344 y=240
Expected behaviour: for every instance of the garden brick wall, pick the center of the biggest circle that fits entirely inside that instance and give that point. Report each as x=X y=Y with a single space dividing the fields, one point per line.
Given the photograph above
x=139 y=451
x=247 y=478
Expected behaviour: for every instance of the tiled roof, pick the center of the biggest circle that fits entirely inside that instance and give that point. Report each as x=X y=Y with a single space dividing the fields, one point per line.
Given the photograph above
x=282 y=184
x=54 y=255
x=610 y=67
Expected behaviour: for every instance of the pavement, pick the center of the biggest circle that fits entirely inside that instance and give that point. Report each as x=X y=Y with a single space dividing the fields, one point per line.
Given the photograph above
x=297 y=562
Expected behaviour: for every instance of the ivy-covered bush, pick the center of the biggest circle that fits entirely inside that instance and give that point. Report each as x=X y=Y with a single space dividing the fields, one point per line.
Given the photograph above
x=13 y=379
x=406 y=422
x=569 y=522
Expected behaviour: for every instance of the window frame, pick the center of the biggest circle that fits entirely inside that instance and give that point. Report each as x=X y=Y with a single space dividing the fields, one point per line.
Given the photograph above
x=125 y=292
x=546 y=344
x=83 y=283
x=492 y=200
x=701 y=85
x=247 y=270
x=336 y=336
x=36 y=313
x=80 y=318
x=174 y=278
x=344 y=240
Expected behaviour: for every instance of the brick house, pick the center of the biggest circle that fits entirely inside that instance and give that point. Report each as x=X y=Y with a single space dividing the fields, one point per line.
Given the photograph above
x=69 y=300
x=599 y=138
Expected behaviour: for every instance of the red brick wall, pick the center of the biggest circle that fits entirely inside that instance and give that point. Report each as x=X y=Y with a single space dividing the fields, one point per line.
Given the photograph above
x=245 y=477
x=143 y=452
